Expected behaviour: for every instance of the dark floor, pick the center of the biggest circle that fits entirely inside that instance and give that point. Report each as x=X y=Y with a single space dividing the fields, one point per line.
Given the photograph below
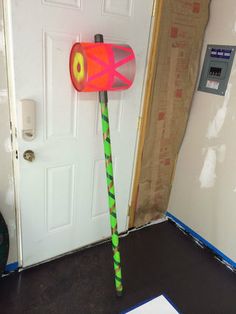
x=157 y=259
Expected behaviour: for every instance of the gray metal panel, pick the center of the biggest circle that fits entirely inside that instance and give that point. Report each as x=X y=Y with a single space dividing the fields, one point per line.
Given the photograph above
x=216 y=69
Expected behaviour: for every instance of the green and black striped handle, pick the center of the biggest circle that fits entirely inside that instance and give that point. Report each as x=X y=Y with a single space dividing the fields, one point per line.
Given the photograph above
x=103 y=100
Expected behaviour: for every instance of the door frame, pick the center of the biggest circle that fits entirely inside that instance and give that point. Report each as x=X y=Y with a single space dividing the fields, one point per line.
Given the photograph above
x=12 y=111
x=145 y=104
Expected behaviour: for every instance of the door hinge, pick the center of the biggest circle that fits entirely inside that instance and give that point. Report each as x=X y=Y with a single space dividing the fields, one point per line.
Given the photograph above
x=16 y=154
x=11 y=139
x=11 y=135
x=13 y=131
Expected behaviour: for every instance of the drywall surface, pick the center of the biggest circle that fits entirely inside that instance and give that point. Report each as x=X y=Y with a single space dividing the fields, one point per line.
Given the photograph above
x=204 y=188
x=7 y=207
x=182 y=29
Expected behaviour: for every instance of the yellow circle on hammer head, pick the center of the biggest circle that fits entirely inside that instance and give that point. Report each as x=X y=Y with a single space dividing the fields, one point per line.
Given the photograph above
x=78 y=67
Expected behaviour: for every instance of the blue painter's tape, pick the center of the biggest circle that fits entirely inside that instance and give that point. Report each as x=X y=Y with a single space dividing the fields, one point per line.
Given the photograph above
x=11 y=267
x=201 y=239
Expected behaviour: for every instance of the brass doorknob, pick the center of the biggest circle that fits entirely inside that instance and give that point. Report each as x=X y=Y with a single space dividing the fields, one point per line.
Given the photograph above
x=29 y=155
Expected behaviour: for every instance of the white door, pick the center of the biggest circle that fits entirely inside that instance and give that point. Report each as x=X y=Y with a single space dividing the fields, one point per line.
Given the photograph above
x=63 y=200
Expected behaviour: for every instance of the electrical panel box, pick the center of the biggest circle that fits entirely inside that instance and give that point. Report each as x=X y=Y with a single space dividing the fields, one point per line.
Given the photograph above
x=216 y=69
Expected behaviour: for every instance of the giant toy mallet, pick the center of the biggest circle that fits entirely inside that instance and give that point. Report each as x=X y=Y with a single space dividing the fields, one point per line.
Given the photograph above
x=101 y=67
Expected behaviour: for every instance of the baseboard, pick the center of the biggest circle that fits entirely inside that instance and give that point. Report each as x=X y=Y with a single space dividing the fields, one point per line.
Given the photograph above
x=195 y=235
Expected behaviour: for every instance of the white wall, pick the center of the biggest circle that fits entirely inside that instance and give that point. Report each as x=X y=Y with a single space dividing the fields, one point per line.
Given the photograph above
x=204 y=187
x=7 y=207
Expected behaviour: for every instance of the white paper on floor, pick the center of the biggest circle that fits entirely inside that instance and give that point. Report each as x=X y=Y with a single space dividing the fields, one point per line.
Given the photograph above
x=159 y=305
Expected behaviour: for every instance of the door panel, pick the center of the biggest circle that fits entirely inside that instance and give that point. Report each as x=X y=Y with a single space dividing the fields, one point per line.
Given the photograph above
x=59 y=197
x=60 y=99
x=63 y=197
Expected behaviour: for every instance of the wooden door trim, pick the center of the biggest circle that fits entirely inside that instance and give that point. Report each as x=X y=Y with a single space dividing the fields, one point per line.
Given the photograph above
x=147 y=98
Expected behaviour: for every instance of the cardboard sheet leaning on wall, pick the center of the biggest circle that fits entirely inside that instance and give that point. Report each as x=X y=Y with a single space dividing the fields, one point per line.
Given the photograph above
x=182 y=29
